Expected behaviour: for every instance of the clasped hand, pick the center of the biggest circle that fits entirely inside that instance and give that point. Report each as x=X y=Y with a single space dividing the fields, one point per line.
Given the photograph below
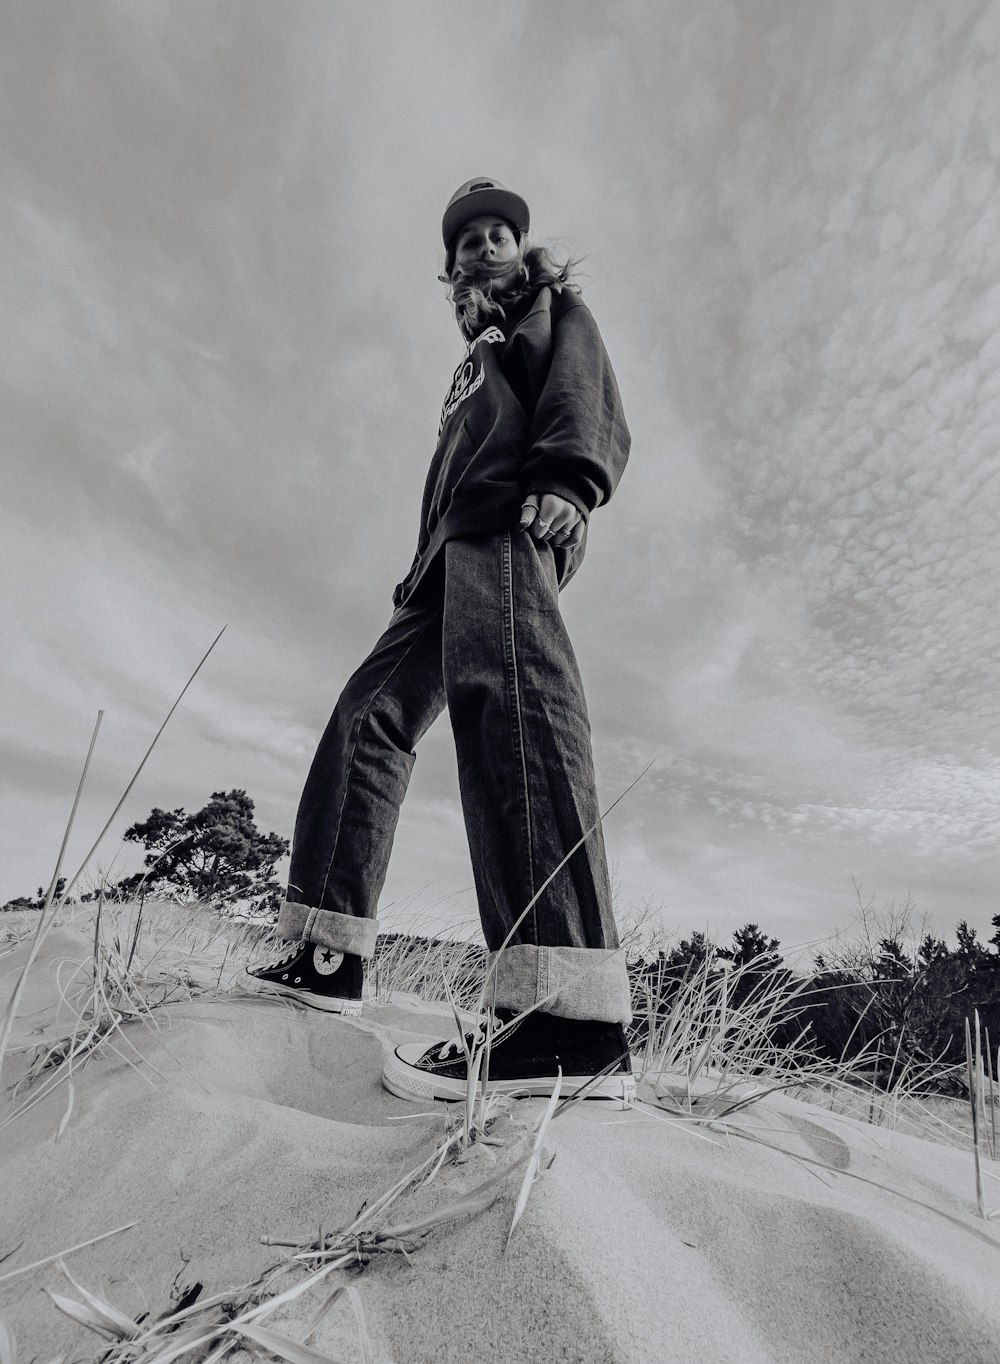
x=547 y=516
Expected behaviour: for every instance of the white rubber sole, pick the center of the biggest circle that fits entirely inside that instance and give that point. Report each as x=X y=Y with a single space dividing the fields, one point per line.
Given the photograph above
x=401 y=1077
x=327 y=1004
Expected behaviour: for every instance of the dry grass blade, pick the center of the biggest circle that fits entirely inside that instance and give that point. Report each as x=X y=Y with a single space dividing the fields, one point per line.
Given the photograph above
x=974 y=1064
x=472 y=1081
x=411 y=1179
x=836 y=1172
x=8 y=1353
x=484 y=1195
x=354 y=1298
x=486 y=1096
x=734 y=1034
x=177 y=1344
x=208 y=1332
x=477 y=1201
x=652 y=1111
x=222 y=1351
x=473 y=1061
x=86 y=1316
x=414 y=962
x=290 y=1294
x=182 y=1345
x=285 y=1348
x=61 y=1254
x=71 y=1099
x=531 y=1172
x=215 y=1324
x=57 y=1078
x=491 y=972
x=72 y=817
x=992 y=1095
x=108 y=992
x=138 y=771
x=47 y=919
x=113 y=1319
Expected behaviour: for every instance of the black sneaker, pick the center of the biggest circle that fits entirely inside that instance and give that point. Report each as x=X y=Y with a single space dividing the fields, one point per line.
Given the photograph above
x=316 y=976
x=523 y=1060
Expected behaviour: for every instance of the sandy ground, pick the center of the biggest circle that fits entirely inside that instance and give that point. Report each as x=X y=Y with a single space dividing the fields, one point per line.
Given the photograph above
x=645 y=1240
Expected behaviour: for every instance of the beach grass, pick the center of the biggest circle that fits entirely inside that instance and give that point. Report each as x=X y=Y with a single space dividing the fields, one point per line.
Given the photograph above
x=145 y=957
x=703 y=1060
x=707 y=1051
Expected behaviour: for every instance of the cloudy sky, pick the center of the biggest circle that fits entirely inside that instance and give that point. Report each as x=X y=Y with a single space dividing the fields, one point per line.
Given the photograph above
x=225 y=348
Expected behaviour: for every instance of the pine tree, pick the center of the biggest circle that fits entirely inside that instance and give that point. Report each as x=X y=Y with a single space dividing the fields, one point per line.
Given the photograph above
x=217 y=854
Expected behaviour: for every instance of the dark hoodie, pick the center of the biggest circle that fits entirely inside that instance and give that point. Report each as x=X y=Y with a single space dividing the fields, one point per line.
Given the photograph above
x=532 y=408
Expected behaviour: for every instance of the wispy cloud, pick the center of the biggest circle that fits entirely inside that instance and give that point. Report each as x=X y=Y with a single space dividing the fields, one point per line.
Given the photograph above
x=226 y=349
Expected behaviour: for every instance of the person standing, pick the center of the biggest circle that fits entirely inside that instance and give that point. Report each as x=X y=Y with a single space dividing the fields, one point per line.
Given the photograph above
x=532 y=440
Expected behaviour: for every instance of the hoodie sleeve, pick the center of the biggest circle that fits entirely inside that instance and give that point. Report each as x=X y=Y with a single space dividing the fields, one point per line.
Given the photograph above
x=578 y=442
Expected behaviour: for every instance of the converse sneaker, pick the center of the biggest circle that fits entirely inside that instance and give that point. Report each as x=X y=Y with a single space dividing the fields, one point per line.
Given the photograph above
x=524 y=1059
x=317 y=976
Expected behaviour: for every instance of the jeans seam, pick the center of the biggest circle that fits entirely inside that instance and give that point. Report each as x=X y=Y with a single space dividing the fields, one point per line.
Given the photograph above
x=354 y=748
x=517 y=727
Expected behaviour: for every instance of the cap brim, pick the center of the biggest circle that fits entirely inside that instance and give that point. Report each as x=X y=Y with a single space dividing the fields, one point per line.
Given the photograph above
x=511 y=207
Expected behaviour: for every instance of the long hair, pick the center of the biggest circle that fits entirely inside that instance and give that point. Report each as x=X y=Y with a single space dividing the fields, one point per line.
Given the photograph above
x=471 y=292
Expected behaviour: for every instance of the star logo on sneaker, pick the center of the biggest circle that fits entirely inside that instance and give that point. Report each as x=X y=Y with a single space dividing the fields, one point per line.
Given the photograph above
x=326 y=962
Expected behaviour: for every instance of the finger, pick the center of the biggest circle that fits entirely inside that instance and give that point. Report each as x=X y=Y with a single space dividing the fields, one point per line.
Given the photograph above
x=578 y=532
x=563 y=516
x=541 y=526
x=555 y=510
x=529 y=511
x=541 y=529
x=553 y=514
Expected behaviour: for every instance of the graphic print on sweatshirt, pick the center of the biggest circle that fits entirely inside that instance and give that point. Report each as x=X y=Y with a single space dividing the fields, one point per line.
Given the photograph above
x=463 y=385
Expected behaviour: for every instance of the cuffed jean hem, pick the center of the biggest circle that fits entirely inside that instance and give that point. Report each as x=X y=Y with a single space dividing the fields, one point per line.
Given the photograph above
x=572 y=982
x=342 y=932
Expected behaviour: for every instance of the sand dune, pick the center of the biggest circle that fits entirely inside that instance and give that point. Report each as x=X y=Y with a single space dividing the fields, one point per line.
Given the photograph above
x=788 y=1235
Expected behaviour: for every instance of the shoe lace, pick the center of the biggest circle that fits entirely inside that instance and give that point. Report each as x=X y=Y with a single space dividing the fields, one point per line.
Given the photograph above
x=453 y=1047
x=288 y=955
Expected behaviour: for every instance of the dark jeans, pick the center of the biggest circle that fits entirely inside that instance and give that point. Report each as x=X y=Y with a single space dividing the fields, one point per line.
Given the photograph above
x=485 y=636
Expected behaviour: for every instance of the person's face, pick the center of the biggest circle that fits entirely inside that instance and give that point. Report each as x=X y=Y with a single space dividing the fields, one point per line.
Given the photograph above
x=487 y=246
